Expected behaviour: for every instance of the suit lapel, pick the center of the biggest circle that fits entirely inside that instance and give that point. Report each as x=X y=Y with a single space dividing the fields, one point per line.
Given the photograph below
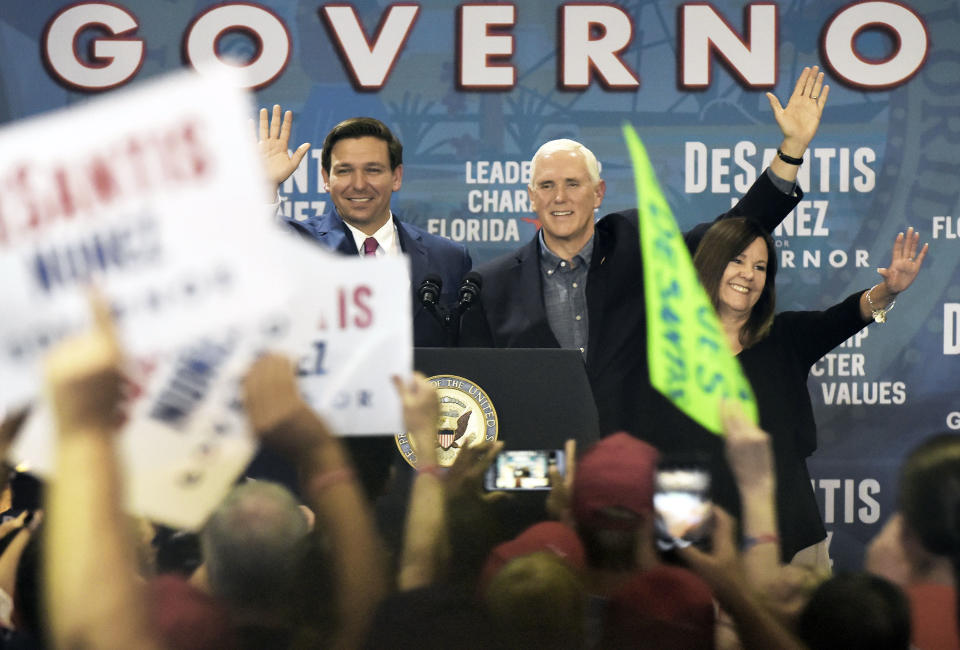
x=333 y=233
x=412 y=245
x=598 y=286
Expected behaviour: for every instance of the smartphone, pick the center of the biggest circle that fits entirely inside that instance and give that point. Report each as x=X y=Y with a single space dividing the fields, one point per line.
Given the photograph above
x=524 y=469
x=683 y=506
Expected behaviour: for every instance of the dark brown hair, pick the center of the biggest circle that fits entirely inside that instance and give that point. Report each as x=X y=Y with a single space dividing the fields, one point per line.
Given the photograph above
x=725 y=240
x=929 y=497
x=362 y=127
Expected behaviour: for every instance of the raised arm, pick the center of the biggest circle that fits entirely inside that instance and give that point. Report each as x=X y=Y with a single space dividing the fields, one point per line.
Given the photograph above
x=425 y=531
x=750 y=457
x=274 y=138
x=768 y=200
x=721 y=569
x=904 y=266
x=799 y=120
x=92 y=596
x=283 y=420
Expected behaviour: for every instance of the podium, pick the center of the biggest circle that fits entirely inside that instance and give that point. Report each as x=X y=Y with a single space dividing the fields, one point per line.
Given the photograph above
x=541 y=395
x=542 y=398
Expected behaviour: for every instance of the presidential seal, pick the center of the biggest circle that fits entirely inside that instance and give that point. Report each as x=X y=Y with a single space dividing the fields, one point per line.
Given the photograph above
x=467 y=418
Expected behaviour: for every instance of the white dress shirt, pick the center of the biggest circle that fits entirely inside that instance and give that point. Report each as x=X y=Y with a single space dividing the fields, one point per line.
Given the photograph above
x=386 y=236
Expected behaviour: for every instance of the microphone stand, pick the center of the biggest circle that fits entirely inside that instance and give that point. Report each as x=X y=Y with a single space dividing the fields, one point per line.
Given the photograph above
x=449 y=319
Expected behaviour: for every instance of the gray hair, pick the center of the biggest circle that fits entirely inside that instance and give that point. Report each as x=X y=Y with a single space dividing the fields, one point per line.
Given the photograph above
x=253 y=545
x=564 y=144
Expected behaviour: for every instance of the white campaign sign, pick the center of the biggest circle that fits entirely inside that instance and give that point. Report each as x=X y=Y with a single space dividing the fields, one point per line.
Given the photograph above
x=356 y=342
x=187 y=437
x=156 y=195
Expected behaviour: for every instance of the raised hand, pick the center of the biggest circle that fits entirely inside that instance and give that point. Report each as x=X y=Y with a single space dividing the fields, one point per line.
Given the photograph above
x=421 y=410
x=748 y=450
x=801 y=117
x=466 y=473
x=274 y=139
x=84 y=377
x=278 y=414
x=905 y=263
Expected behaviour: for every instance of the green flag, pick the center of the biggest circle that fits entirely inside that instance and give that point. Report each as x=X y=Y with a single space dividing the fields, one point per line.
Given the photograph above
x=689 y=358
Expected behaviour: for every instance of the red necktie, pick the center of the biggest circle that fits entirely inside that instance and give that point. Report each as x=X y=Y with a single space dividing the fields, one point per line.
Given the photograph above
x=370 y=246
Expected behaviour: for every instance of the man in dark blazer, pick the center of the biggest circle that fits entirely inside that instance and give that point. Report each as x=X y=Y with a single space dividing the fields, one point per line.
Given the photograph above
x=362 y=166
x=579 y=282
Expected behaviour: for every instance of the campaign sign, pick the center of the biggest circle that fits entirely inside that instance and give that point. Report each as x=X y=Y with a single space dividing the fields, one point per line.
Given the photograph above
x=357 y=341
x=187 y=437
x=690 y=360
x=156 y=195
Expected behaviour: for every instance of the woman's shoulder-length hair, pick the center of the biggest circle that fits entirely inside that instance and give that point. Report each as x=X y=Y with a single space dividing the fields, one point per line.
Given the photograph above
x=725 y=240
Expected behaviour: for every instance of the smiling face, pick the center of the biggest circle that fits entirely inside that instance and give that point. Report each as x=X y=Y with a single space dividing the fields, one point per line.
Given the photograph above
x=564 y=197
x=361 y=182
x=743 y=281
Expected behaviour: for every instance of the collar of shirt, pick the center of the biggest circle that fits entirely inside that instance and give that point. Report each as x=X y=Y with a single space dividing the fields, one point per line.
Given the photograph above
x=550 y=261
x=386 y=237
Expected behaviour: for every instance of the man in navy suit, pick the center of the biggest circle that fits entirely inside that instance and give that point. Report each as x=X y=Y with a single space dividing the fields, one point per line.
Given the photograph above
x=362 y=166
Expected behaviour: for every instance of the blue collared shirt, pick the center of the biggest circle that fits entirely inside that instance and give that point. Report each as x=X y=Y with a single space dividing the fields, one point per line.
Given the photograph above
x=565 y=295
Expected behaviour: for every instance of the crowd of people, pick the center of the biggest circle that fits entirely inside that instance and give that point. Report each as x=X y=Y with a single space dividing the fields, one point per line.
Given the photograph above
x=271 y=570
x=310 y=567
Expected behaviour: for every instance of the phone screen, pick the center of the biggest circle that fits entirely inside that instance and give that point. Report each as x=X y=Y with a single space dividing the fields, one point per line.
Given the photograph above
x=523 y=469
x=683 y=506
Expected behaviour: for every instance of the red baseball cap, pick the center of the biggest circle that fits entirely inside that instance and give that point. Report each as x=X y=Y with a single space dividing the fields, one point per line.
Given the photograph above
x=550 y=536
x=618 y=471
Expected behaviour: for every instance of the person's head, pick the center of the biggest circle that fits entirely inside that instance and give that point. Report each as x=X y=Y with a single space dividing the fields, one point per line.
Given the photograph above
x=612 y=501
x=253 y=544
x=537 y=601
x=737 y=266
x=854 y=611
x=929 y=497
x=545 y=536
x=362 y=166
x=565 y=189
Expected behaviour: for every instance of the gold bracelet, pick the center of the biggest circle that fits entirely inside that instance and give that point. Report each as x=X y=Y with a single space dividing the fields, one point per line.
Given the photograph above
x=879 y=315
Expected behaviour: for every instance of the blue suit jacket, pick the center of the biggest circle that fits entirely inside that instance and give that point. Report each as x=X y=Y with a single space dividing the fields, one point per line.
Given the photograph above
x=428 y=253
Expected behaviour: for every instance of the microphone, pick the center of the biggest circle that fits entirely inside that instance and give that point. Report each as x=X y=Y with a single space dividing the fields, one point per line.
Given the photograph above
x=469 y=290
x=429 y=291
